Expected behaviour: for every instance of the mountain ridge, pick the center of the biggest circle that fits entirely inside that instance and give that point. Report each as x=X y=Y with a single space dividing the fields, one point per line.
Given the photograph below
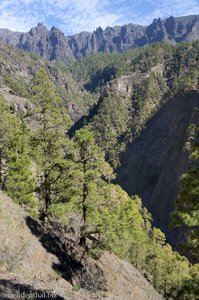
x=53 y=44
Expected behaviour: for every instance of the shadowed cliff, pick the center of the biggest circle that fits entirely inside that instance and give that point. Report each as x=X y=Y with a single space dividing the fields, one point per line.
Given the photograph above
x=154 y=162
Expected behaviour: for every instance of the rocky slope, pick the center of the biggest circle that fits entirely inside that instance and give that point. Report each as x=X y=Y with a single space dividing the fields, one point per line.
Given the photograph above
x=36 y=260
x=54 y=45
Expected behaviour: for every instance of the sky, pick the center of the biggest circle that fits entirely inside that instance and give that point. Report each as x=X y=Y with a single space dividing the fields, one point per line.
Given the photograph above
x=74 y=16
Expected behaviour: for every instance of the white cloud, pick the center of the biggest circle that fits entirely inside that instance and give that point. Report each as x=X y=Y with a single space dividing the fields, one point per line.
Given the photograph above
x=73 y=16
x=17 y=15
x=169 y=8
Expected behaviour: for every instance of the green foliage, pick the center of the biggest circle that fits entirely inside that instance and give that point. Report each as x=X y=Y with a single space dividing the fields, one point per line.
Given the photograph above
x=49 y=140
x=121 y=118
x=109 y=125
x=86 y=178
x=121 y=226
x=76 y=288
x=101 y=77
x=146 y=100
x=7 y=124
x=85 y=70
x=81 y=99
x=20 y=183
x=125 y=228
x=187 y=206
x=158 y=73
x=190 y=288
x=15 y=161
x=18 y=68
x=17 y=85
x=168 y=268
x=165 y=268
x=97 y=69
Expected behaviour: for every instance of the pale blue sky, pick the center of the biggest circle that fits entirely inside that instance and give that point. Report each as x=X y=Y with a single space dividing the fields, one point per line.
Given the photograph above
x=73 y=16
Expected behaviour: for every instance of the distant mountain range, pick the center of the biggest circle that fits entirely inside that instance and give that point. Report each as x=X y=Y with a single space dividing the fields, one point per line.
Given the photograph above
x=54 y=45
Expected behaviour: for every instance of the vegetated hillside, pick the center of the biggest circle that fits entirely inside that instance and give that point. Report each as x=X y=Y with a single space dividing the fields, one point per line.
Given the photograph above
x=53 y=44
x=133 y=86
x=149 y=95
x=33 y=260
x=77 y=213
x=17 y=71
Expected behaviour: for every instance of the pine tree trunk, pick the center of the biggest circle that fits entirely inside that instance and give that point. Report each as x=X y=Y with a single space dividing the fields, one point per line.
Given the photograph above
x=84 y=203
x=84 y=208
x=47 y=191
x=47 y=187
x=1 y=175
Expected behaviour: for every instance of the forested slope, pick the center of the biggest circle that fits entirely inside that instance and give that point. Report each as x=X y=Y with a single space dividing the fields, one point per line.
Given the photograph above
x=140 y=133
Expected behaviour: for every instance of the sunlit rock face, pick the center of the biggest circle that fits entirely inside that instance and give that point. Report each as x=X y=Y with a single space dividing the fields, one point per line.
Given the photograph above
x=53 y=44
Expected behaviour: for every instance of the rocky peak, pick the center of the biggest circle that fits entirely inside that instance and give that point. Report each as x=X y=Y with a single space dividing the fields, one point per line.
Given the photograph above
x=53 y=44
x=170 y=26
x=155 y=32
x=56 y=37
x=40 y=29
x=57 y=31
x=99 y=30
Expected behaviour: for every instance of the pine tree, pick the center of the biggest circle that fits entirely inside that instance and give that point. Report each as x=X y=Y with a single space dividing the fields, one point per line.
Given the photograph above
x=20 y=183
x=190 y=287
x=89 y=174
x=49 y=140
x=187 y=205
x=7 y=124
x=121 y=227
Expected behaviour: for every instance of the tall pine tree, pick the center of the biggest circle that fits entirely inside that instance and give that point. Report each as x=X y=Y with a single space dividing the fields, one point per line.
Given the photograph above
x=49 y=140
x=20 y=184
x=187 y=205
x=86 y=178
x=7 y=124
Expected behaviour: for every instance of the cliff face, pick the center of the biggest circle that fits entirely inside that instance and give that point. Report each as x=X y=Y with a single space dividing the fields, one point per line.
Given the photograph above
x=53 y=44
x=50 y=45
x=172 y=30
x=154 y=162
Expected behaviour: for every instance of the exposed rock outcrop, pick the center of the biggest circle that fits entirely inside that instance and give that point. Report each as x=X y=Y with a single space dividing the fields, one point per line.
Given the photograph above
x=53 y=44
